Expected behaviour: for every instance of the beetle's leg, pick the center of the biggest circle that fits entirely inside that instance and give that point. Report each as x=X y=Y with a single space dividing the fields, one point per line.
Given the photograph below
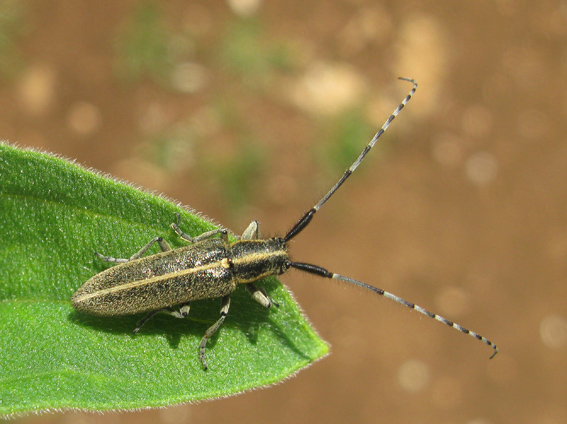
x=159 y=240
x=146 y=318
x=182 y=311
x=200 y=237
x=212 y=329
x=252 y=232
x=261 y=296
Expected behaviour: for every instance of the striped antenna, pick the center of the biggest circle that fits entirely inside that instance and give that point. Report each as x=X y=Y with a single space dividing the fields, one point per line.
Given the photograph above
x=317 y=270
x=322 y=272
x=306 y=218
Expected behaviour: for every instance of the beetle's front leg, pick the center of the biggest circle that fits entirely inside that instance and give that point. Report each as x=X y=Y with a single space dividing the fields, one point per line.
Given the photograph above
x=159 y=240
x=261 y=296
x=252 y=232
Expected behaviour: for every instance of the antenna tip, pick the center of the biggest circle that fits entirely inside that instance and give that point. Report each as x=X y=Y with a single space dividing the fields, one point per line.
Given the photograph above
x=495 y=352
x=408 y=80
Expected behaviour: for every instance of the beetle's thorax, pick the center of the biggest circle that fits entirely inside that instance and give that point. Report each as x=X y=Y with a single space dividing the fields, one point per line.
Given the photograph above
x=252 y=260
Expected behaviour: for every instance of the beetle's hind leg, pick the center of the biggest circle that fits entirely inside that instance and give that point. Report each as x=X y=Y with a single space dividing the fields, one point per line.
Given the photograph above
x=212 y=330
x=181 y=311
x=159 y=240
x=146 y=318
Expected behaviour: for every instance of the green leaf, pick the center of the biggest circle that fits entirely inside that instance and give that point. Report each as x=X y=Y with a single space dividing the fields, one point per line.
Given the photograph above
x=53 y=216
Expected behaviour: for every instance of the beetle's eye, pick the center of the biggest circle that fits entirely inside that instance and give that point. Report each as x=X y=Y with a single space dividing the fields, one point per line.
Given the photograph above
x=285 y=266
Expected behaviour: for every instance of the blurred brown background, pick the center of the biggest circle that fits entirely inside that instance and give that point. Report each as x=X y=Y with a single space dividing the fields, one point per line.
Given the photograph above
x=246 y=109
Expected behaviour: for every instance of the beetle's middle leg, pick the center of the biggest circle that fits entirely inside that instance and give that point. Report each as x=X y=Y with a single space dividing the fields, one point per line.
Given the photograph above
x=159 y=240
x=212 y=329
x=200 y=237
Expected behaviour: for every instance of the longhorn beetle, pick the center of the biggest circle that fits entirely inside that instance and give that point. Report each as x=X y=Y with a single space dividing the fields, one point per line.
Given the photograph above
x=213 y=267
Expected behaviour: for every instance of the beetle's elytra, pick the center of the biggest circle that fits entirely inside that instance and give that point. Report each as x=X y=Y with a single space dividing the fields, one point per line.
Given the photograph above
x=213 y=267
x=208 y=269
